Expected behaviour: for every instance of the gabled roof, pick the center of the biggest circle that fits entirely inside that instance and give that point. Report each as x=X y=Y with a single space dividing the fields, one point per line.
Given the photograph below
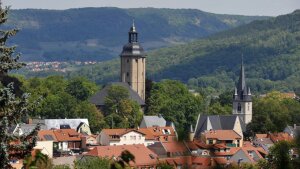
x=120 y=132
x=155 y=132
x=275 y=137
x=56 y=123
x=151 y=133
x=28 y=128
x=99 y=98
x=67 y=135
x=217 y=122
x=222 y=135
x=151 y=121
x=47 y=135
x=190 y=161
x=175 y=148
x=143 y=156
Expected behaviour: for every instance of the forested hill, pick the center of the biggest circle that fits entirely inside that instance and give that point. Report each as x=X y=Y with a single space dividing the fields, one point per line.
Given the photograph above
x=99 y=33
x=271 y=51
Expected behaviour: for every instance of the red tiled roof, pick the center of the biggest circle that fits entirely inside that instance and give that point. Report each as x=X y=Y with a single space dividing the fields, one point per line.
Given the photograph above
x=222 y=135
x=201 y=144
x=174 y=147
x=151 y=133
x=221 y=160
x=192 y=145
x=42 y=135
x=261 y=136
x=275 y=137
x=192 y=162
x=143 y=156
x=67 y=135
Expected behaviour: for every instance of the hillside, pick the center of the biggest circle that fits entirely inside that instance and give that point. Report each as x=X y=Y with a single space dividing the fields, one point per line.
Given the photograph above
x=271 y=51
x=99 y=33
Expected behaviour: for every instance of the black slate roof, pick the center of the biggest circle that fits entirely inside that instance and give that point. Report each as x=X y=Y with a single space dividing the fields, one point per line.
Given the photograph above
x=99 y=98
x=218 y=122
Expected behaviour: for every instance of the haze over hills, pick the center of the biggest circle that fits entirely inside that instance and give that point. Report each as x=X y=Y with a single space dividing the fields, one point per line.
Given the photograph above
x=271 y=51
x=99 y=33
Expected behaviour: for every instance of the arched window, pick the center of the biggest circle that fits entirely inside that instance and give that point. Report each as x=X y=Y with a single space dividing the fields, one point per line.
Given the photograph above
x=239 y=107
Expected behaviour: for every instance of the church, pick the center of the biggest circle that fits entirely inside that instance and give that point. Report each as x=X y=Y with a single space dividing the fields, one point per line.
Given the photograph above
x=241 y=112
x=133 y=71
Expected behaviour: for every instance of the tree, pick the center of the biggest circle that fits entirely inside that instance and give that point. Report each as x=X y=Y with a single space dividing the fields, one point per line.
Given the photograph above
x=92 y=163
x=173 y=100
x=39 y=160
x=164 y=166
x=115 y=95
x=124 y=160
x=120 y=111
x=12 y=108
x=80 y=88
x=279 y=156
x=96 y=119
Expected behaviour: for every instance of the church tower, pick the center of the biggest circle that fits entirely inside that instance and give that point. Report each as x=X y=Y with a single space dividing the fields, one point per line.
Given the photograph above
x=242 y=99
x=133 y=63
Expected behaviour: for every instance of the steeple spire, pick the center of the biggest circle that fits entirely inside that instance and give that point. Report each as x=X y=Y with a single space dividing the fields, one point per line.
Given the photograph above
x=242 y=82
x=242 y=92
x=132 y=29
x=133 y=35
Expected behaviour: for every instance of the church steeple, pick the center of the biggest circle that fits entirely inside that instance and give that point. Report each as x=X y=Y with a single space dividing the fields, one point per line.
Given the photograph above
x=242 y=90
x=242 y=82
x=133 y=63
x=133 y=35
x=242 y=99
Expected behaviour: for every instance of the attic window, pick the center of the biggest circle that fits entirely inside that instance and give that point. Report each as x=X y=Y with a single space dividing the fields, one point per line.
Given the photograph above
x=166 y=131
x=151 y=156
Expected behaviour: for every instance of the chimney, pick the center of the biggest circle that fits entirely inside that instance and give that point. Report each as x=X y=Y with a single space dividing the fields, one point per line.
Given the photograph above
x=83 y=142
x=29 y=120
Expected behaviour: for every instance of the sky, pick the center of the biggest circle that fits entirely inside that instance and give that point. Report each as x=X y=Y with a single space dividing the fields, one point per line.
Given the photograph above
x=241 y=7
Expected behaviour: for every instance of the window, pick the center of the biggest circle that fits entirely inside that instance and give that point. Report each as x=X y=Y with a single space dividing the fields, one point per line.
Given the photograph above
x=127 y=74
x=140 y=137
x=127 y=60
x=248 y=106
x=134 y=137
x=210 y=141
x=136 y=60
x=239 y=107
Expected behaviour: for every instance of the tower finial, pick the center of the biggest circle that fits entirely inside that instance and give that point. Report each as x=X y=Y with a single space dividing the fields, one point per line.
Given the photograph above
x=133 y=23
x=132 y=29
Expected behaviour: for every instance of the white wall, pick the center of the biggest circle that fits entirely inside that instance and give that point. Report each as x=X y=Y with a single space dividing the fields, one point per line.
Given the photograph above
x=127 y=139
x=46 y=147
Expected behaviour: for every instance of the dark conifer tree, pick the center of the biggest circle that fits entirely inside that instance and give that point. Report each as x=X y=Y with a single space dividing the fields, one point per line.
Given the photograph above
x=12 y=108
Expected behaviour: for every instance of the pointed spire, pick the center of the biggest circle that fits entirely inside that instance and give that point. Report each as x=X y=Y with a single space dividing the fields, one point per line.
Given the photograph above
x=242 y=82
x=249 y=92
